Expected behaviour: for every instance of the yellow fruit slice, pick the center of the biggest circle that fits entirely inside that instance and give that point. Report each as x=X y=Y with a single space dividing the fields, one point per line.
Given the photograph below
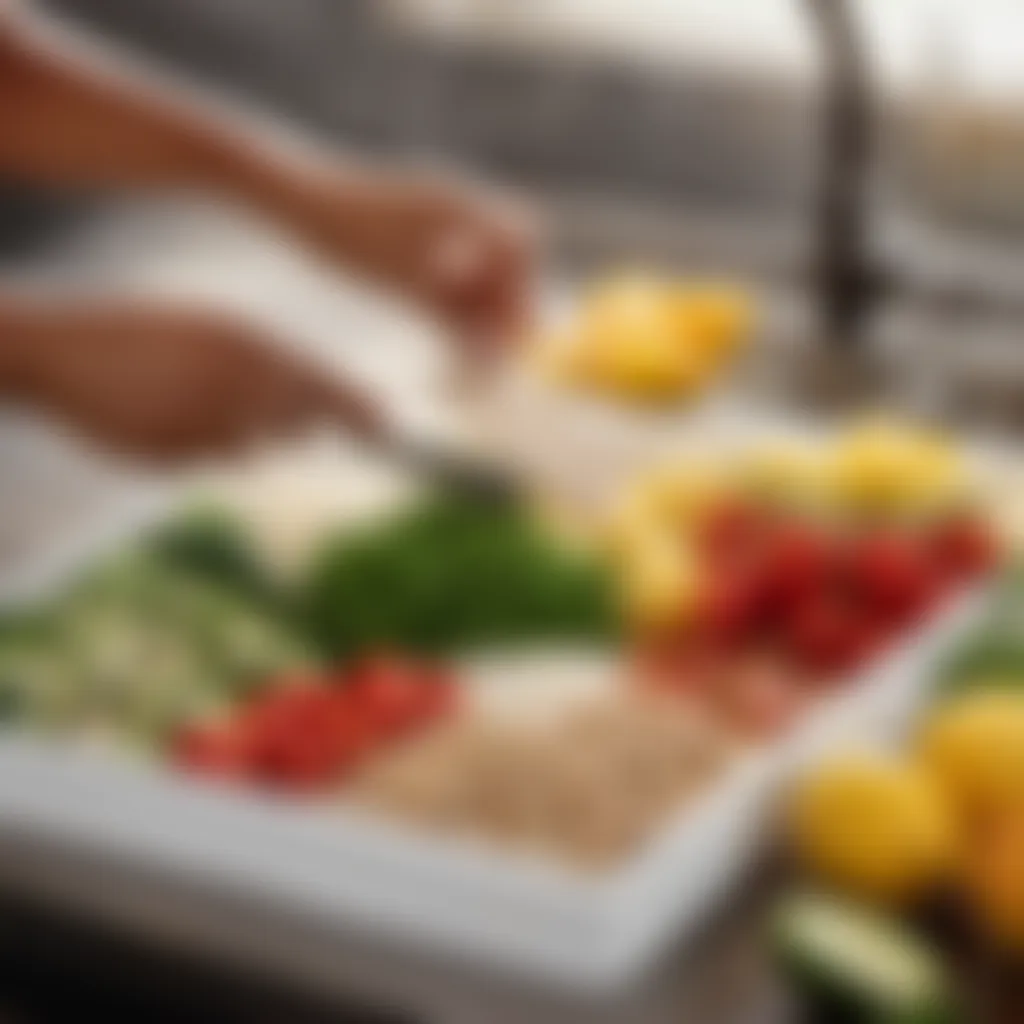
x=659 y=583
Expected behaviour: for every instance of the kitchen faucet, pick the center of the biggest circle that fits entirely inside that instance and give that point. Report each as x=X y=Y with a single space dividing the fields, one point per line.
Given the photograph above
x=846 y=279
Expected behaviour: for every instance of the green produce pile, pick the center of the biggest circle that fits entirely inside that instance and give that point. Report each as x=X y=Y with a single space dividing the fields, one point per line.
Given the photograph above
x=142 y=644
x=453 y=574
x=189 y=620
x=994 y=655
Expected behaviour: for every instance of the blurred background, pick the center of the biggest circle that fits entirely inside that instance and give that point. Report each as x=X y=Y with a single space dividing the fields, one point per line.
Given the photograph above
x=684 y=104
x=694 y=132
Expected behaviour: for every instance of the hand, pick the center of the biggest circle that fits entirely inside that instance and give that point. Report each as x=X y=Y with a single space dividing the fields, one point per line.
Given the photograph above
x=465 y=256
x=166 y=383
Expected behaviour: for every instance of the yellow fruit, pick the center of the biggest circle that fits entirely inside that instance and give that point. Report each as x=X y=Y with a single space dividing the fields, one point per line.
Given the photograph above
x=975 y=748
x=659 y=583
x=719 y=317
x=875 y=827
x=649 y=366
x=636 y=517
x=994 y=882
x=882 y=467
x=633 y=344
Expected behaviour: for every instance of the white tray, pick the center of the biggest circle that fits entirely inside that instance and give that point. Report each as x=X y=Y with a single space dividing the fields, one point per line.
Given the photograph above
x=528 y=917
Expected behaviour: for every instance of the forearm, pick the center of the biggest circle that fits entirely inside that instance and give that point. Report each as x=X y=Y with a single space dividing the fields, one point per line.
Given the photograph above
x=74 y=118
x=22 y=336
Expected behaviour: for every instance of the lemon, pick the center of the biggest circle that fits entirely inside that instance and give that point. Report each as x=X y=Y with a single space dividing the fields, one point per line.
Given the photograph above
x=885 y=467
x=636 y=515
x=718 y=316
x=975 y=746
x=874 y=826
x=649 y=366
x=634 y=344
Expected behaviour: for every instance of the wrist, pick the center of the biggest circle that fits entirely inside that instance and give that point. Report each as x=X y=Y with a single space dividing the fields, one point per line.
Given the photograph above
x=307 y=194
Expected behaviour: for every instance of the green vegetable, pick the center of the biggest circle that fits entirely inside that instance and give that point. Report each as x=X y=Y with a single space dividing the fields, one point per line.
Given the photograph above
x=994 y=654
x=138 y=647
x=859 y=966
x=451 y=573
x=211 y=544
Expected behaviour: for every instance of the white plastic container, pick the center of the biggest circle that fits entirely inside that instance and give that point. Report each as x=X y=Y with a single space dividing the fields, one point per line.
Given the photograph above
x=344 y=871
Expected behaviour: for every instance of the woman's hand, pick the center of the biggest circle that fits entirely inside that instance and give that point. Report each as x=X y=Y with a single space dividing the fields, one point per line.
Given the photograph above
x=74 y=120
x=461 y=253
x=165 y=383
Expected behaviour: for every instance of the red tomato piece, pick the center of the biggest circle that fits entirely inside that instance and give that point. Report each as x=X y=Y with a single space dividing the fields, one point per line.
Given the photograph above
x=830 y=635
x=729 y=531
x=391 y=693
x=964 y=548
x=729 y=607
x=892 y=572
x=211 y=749
x=301 y=760
x=797 y=561
x=354 y=735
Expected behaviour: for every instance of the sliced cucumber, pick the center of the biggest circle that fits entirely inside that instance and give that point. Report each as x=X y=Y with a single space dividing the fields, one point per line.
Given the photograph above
x=863 y=966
